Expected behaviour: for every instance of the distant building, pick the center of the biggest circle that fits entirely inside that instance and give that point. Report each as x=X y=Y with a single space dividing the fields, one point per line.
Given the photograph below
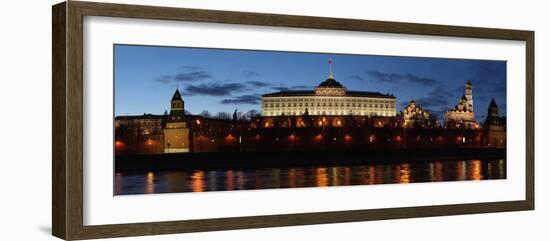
x=494 y=127
x=140 y=134
x=329 y=98
x=462 y=115
x=414 y=115
x=176 y=133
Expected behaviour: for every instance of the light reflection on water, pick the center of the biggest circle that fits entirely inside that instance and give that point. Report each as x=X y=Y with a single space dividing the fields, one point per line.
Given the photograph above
x=319 y=176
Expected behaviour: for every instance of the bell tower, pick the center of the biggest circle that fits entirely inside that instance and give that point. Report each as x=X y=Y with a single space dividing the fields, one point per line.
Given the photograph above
x=176 y=133
x=493 y=108
x=468 y=94
x=176 y=107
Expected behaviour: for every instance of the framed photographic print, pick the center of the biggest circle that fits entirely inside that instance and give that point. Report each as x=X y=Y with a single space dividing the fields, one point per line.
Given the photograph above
x=171 y=120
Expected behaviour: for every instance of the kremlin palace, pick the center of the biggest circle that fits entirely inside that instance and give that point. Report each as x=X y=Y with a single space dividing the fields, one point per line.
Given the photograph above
x=329 y=98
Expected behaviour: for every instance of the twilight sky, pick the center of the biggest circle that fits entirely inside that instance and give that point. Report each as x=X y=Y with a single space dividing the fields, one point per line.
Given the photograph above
x=224 y=80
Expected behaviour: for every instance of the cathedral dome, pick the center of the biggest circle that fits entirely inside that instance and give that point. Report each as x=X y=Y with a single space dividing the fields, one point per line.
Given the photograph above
x=330 y=83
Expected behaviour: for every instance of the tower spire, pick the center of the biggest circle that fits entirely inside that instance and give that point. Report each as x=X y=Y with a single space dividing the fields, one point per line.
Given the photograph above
x=330 y=76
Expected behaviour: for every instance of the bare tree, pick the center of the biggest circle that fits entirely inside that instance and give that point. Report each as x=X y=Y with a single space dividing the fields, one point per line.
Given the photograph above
x=223 y=116
x=205 y=114
x=251 y=114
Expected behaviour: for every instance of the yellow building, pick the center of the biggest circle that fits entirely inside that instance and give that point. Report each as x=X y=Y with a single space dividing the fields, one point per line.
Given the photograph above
x=414 y=115
x=328 y=98
x=462 y=115
x=176 y=133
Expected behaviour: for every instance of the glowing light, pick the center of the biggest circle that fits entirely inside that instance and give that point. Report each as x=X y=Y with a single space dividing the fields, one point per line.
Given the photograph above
x=292 y=137
x=197 y=181
x=321 y=177
x=229 y=180
x=318 y=137
x=150 y=183
x=229 y=138
x=198 y=122
x=476 y=170
x=347 y=138
x=404 y=173
x=118 y=144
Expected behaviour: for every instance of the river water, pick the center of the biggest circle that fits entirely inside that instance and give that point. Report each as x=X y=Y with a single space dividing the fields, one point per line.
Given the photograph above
x=317 y=176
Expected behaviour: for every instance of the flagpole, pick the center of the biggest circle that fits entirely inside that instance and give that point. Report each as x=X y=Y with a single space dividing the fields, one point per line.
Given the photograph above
x=330 y=64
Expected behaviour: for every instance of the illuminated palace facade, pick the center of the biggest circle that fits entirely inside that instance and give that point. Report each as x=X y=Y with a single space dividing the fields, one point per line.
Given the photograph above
x=329 y=98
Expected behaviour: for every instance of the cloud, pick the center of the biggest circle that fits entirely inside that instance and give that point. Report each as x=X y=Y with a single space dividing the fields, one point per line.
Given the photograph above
x=258 y=83
x=432 y=101
x=192 y=76
x=442 y=90
x=294 y=87
x=243 y=99
x=165 y=79
x=215 y=89
x=191 y=67
x=280 y=88
x=357 y=77
x=394 y=78
x=301 y=87
x=250 y=74
x=436 y=101
x=384 y=77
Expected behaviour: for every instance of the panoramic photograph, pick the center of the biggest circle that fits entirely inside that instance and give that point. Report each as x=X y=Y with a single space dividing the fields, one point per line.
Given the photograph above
x=192 y=119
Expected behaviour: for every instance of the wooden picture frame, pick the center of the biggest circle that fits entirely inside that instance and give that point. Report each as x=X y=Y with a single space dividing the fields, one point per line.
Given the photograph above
x=67 y=152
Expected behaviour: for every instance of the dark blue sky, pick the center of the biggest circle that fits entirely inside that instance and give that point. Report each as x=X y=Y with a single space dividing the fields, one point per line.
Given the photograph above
x=224 y=80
